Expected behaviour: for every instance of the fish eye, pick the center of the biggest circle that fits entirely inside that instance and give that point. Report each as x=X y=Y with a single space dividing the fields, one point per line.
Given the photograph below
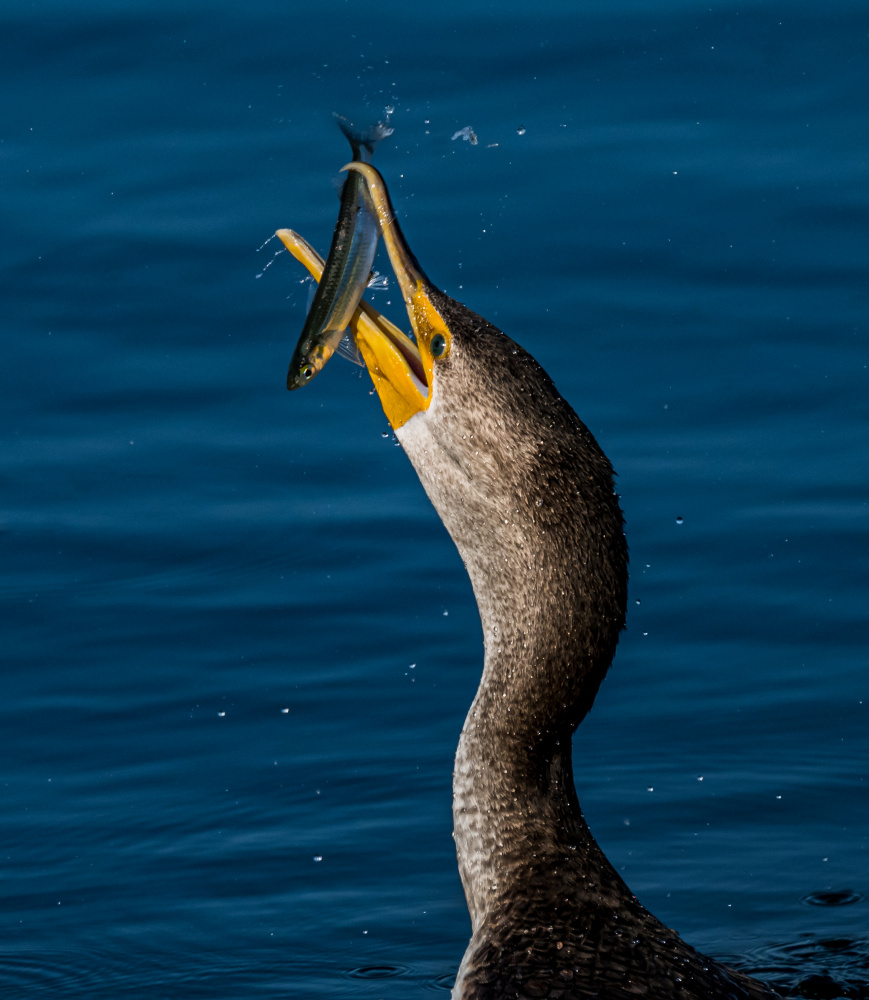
x=438 y=345
x=306 y=372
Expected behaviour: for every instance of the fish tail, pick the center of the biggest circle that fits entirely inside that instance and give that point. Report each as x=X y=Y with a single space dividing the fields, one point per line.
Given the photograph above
x=362 y=142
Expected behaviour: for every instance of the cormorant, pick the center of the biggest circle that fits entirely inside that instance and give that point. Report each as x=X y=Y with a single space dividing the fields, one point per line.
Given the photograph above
x=528 y=497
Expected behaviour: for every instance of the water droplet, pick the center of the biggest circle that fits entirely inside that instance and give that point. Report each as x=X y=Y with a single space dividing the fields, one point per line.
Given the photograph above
x=468 y=134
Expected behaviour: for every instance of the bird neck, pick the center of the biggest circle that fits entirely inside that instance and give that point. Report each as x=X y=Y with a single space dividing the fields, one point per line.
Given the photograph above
x=538 y=526
x=516 y=815
x=551 y=596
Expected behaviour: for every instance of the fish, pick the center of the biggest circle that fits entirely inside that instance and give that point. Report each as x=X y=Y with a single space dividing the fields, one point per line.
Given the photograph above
x=347 y=268
x=366 y=319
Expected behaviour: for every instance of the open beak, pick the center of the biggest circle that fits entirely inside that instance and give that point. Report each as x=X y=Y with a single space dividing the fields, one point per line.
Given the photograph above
x=403 y=389
x=400 y=368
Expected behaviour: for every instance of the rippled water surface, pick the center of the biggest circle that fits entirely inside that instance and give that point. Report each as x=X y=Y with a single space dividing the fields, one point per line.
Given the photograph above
x=238 y=643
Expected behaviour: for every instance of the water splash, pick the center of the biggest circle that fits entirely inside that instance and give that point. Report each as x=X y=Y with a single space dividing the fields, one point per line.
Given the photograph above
x=277 y=254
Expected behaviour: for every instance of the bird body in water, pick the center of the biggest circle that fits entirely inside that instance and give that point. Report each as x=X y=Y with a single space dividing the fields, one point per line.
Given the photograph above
x=528 y=497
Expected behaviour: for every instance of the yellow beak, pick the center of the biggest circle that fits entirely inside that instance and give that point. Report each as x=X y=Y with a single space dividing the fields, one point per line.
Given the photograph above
x=402 y=392
x=400 y=369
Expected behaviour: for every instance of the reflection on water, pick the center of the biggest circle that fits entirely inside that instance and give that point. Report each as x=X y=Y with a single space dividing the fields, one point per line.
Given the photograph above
x=816 y=969
x=842 y=897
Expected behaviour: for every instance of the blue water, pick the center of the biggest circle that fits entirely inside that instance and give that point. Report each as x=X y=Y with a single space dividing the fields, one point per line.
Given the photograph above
x=238 y=644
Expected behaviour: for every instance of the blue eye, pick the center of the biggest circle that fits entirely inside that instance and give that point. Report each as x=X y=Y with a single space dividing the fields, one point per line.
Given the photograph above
x=438 y=346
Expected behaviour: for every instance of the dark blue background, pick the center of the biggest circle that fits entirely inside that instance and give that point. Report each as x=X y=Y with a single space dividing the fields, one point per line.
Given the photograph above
x=213 y=591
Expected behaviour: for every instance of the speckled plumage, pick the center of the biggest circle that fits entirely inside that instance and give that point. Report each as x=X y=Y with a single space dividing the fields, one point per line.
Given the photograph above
x=528 y=497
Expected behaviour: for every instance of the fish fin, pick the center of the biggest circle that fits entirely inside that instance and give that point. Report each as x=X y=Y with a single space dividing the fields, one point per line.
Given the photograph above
x=338 y=183
x=347 y=349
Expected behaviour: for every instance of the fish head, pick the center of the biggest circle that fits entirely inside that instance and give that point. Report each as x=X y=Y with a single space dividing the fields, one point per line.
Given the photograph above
x=308 y=360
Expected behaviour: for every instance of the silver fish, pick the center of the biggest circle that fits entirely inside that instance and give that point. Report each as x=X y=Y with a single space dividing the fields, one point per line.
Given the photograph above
x=347 y=269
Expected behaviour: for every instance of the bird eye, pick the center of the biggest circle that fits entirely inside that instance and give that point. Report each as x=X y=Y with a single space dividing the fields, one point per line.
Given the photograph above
x=438 y=345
